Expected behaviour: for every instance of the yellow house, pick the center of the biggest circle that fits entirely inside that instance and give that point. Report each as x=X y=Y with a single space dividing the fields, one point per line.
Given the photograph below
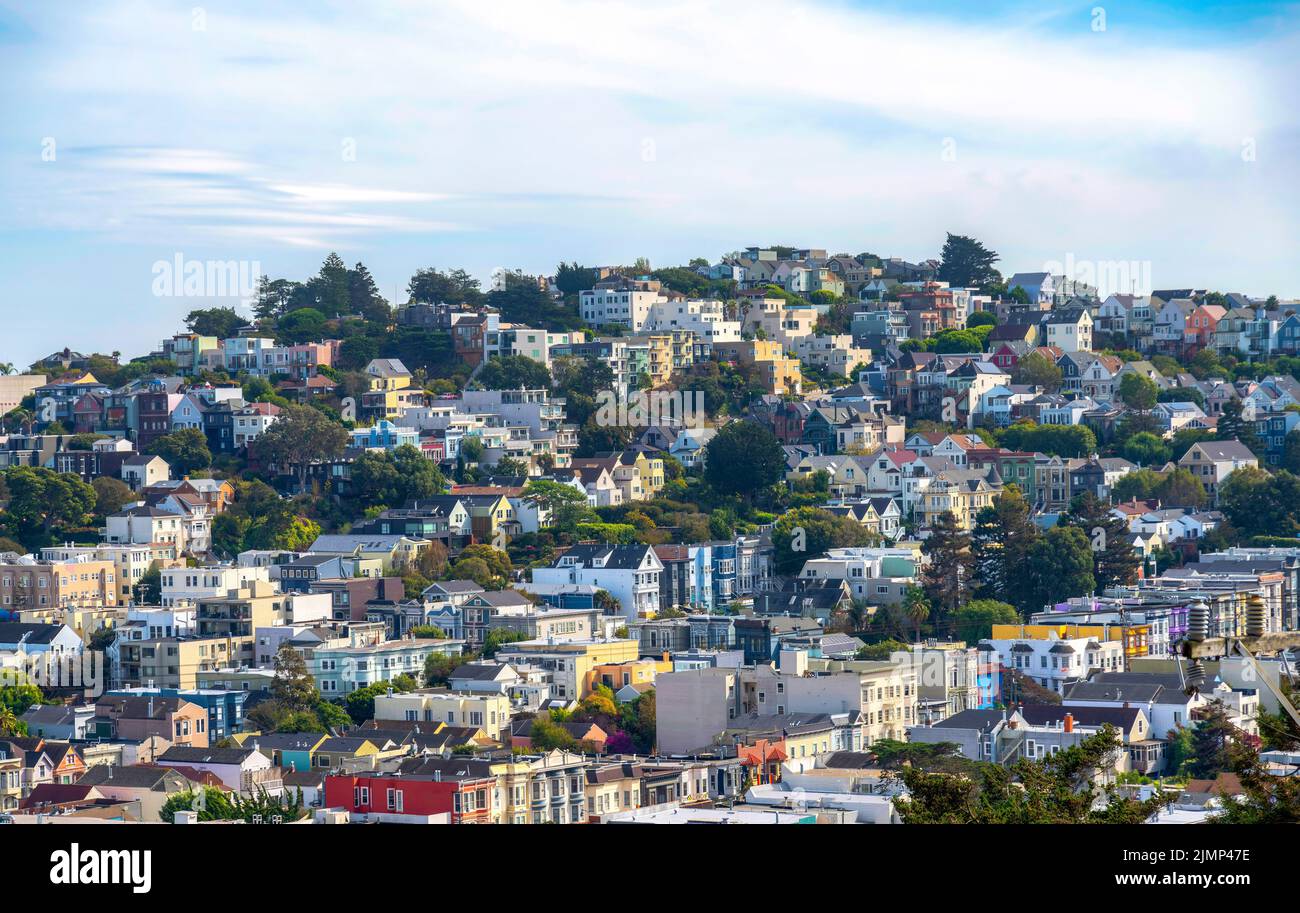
x=334 y=751
x=572 y=664
x=780 y=373
x=490 y=712
x=636 y=672
x=388 y=389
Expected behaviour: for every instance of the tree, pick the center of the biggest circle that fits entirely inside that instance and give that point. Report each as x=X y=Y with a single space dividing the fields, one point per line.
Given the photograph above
x=496 y=638
x=148 y=589
x=566 y=505
x=456 y=287
x=222 y=323
x=512 y=372
x=1179 y=488
x=1145 y=448
x=293 y=686
x=364 y=296
x=300 y=436
x=490 y=568
x=111 y=495
x=1114 y=559
x=742 y=458
x=299 y=326
x=185 y=450
x=1291 y=451
x=807 y=532
x=393 y=478
x=438 y=668
x=570 y=278
x=974 y=621
x=1059 y=789
x=548 y=735
x=41 y=502
x=948 y=577
x=1212 y=743
x=1000 y=544
x=1234 y=426
x=1138 y=391
x=356 y=352
x=916 y=608
x=966 y=263
x=521 y=300
x=1060 y=566
x=218 y=805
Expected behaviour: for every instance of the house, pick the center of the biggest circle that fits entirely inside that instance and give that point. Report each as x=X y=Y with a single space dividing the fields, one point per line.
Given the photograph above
x=484 y=710
x=137 y=717
x=422 y=790
x=1213 y=461
x=144 y=470
x=1160 y=697
x=630 y=573
x=1040 y=287
x=1069 y=329
x=58 y=721
x=241 y=770
x=147 y=784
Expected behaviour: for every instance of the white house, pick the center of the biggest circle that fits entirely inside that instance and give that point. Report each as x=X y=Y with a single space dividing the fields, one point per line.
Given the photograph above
x=630 y=573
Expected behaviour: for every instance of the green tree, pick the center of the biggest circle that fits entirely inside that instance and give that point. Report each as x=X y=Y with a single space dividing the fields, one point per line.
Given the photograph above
x=455 y=287
x=807 y=532
x=916 y=609
x=974 y=621
x=1060 y=566
x=1145 y=448
x=966 y=263
x=42 y=502
x=222 y=323
x=293 y=686
x=521 y=300
x=185 y=450
x=1233 y=426
x=111 y=495
x=743 y=458
x=1003 y=537
x=1212 y=743
x=1138 y=391
x=1059 y=789
x=300 y=436
x=948 y=577
x=1114 y=559
x=512 y=372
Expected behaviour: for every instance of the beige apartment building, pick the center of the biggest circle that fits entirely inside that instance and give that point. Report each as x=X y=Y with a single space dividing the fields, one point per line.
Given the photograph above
x=29 y=584
x=176 y=662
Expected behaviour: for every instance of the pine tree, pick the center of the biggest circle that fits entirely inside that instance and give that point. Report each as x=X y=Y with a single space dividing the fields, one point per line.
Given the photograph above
x=333 y=292
x=1234 y=426
x=949 y=576
x=364 y=296
x=1004 y=534
x=1114 y=560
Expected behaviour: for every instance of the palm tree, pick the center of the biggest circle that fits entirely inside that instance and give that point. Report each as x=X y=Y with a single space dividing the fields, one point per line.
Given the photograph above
x=916 y=608
x=10 y=725
x=7 y=368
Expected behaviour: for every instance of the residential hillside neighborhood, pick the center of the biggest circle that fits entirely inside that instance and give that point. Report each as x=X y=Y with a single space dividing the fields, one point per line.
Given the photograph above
x=783 y=535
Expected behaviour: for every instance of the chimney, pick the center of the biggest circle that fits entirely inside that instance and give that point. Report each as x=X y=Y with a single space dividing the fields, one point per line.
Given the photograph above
x=1069 y=722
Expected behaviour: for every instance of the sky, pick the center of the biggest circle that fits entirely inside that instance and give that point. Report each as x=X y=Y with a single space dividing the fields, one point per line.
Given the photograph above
x=1149 y=142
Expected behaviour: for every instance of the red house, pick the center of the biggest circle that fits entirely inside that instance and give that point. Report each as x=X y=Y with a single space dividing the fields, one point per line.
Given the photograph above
x=422 y=790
